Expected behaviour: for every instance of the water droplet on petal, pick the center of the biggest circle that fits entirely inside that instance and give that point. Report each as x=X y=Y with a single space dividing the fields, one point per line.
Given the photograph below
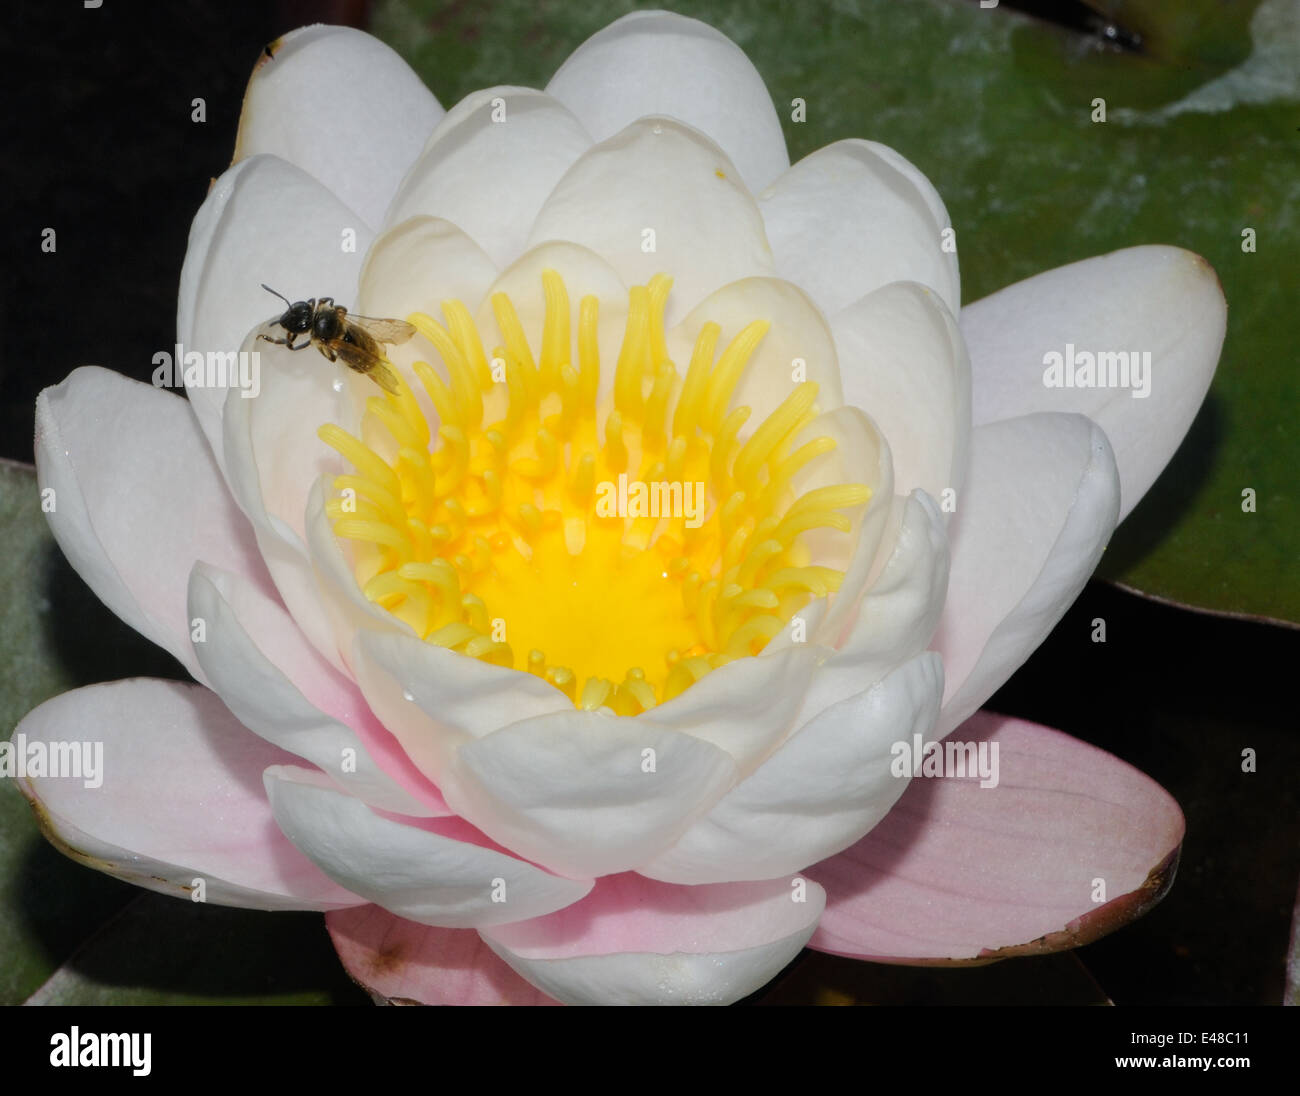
x=406 y=695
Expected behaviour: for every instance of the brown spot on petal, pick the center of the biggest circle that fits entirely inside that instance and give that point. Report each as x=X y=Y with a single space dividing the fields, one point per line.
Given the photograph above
x=264 y=58
x=388 y=960
x=1207 y=266
x=268 y=53
x=1103 y=920
x=1082 y=930
x=109 y=867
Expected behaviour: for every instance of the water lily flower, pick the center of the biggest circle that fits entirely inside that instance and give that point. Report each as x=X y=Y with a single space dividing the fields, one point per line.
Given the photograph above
x=523 y=750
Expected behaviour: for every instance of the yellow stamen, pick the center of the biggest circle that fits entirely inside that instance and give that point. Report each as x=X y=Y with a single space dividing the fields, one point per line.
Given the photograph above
x=625 y=551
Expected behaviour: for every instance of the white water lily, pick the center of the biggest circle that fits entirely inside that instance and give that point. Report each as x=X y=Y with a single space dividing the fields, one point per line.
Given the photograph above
x=634 y=760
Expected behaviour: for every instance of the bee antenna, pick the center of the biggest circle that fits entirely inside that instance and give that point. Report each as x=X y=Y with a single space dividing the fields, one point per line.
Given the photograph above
x=280 y=295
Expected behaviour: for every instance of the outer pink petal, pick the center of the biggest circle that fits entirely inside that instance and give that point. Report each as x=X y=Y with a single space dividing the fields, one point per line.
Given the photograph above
x=438 y=871
x=957 y=872
x=137 y=499
x=280 y=687
x=401 y=963
x=180 y=797
x=637 y=941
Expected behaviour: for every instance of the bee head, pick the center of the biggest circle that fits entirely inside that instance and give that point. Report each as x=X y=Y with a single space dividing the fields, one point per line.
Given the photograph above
x=297 y=317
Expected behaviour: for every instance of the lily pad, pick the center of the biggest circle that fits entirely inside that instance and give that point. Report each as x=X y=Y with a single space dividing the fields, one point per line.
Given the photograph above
x=1201 y=142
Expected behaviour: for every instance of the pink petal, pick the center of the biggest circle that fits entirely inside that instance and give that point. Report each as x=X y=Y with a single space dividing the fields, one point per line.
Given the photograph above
x=137 y=500
x=435 y=871
x=959 y=872
x=399 y=962
x=180 y=796
x=636 y=941
x=280 y=687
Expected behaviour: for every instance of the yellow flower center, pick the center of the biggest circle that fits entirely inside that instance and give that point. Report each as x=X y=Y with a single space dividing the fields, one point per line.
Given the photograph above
x=621 y=552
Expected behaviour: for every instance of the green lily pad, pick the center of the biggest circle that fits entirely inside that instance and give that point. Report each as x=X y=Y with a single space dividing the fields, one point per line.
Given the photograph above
x=996 y=108
x=70 y=935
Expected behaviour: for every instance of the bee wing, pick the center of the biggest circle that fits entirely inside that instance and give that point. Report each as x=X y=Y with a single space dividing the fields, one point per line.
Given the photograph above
x=367 y=362
x=384 y=331
x=384 y=377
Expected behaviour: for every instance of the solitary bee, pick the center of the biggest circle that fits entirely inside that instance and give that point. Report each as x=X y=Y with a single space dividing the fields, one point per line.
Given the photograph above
x=357 y=340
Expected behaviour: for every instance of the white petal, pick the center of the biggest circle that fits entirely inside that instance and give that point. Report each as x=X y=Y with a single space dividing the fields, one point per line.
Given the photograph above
x=903 y=361
x=430 y=873
x=860 y=456
x=272 y=459
x=1039 y=505
x=453 y=698
x=271 y=437
x=586 y=793
x=137 y=498
x=660 y=197
x=658 y=62
x=490 y=164
x=418 y=264
x=298 y=702
x=1158 y=300
x=746 y=706
x=897 y=617
x=344 y=107
x=854 y=216
x=346 y=608
x=797 y=345
x=180 y=797
x=585 y=274
x=820 y=792
x=633 y=941
x=263 y=222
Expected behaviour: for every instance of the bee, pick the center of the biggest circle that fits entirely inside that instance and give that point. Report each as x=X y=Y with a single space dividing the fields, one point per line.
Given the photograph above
x=356 y=340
